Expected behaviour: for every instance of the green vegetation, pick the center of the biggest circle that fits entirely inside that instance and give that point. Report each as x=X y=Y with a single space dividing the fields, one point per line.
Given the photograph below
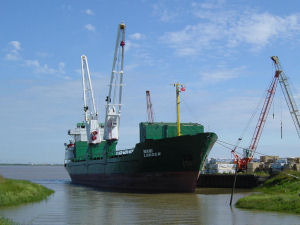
x=4 y=221
x=261 y=174
x=15 y=192
x=280 y=193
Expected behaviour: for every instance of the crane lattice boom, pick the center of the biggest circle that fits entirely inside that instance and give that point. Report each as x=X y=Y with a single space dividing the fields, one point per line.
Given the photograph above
x=263 y=115
x=285 y=87
x=114 y=98
x=248 y=153
x=89 y=107
x=87 y=90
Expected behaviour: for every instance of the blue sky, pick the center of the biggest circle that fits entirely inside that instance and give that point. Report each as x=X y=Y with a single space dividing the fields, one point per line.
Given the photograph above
x=219 y=49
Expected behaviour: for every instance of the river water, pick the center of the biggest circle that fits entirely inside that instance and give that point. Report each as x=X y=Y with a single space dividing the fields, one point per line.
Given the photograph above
x=73 y=204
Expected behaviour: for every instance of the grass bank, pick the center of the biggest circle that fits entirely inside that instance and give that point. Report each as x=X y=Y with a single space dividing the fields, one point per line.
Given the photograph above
x=16 y=192
x=4 y=221
x=280 y=193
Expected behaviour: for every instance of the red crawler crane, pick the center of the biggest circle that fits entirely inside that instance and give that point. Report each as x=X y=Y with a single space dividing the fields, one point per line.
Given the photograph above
x=149 y=108
x=248 y=153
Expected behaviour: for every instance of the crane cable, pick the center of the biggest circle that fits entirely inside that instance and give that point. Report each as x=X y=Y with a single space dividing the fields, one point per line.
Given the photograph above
x=281 y=118
x=224 y=143
x=182 y=100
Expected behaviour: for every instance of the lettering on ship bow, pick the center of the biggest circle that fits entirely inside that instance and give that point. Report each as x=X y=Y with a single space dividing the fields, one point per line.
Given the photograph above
x=150 y=153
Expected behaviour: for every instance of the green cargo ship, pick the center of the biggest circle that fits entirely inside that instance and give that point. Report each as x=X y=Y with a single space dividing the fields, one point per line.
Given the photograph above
x=168 y=157
x=161 y=162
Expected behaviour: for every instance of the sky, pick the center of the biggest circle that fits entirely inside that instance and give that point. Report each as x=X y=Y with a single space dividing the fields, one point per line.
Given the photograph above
x=219 y=49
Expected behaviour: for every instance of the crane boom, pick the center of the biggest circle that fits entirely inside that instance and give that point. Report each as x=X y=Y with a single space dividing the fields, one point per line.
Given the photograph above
x=91 y=114
x=285 y=87
x=114 y=98
x=248 y=153
x=87 y=88
x=149 y=108
x=263 y=116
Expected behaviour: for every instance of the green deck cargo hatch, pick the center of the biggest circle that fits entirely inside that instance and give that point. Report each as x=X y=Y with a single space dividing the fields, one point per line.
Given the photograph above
x=166 y=130
x=82 y=148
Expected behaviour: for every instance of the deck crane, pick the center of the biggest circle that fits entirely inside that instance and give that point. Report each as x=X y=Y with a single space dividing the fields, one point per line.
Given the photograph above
x=149 y=108
x=90 y=111
x=249 y=153
x=114 y=98
x=285 y=87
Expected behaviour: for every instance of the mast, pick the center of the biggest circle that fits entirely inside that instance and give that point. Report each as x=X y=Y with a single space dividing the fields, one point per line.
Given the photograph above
x=114 y=98
x=179 y=88
x=149 y=108
x=89 y=106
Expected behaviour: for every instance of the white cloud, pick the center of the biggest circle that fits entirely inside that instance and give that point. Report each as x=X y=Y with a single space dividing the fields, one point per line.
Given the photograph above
x=89 y=12
x=211 y=4
x=229 y=29
x=14 y=52
x=43 y=54
x=44 y=69
x=66 y=7
x=260 y=29
x=90 y=27
x=193 y=38
x=131 y=67
x=12 y=56
x=221 y=75
x=165 y=15
x=136 y=36
x=16 y=45
x=129 y=45
x=94 y=74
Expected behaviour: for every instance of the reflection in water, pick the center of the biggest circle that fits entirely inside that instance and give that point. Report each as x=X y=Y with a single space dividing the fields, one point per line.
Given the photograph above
x=121 y=208
x=73 y=204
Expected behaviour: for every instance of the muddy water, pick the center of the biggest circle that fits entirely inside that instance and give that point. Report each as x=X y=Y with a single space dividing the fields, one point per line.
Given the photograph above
x=72 y=204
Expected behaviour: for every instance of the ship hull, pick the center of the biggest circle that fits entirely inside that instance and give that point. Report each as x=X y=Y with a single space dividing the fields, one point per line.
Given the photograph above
x=164 y=165
x=141 y=182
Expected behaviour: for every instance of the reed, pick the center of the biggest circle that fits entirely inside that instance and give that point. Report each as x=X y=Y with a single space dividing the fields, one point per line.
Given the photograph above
x=280 y=193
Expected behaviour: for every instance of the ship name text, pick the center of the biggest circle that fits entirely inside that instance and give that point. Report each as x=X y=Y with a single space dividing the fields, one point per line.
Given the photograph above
x=150 y=153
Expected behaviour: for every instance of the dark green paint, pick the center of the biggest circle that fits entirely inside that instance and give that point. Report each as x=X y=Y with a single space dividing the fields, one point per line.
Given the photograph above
x=165 y=130
x=96 y=151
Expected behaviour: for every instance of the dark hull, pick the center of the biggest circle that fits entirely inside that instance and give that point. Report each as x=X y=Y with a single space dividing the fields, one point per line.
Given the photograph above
x=148 y=182
x=165 y=165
